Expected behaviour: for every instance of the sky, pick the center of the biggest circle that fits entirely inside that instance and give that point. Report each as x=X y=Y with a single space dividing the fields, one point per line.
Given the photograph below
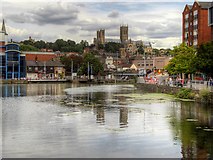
x=159 y=22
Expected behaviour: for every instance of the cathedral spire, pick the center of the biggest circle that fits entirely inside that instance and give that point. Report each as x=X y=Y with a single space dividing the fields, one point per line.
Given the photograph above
x=3 y=29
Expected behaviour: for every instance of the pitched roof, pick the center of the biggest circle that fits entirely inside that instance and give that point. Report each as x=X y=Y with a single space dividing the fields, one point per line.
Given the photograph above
x=205 y=5
x=40 y=57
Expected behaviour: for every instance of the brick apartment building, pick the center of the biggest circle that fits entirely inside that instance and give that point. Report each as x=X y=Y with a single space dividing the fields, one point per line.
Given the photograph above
x=195 y=24
x=211 y=20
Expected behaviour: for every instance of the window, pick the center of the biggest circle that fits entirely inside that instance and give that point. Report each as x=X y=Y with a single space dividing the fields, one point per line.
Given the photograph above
x=186 y=25
x=195 y=21
x=211 y=16
x=195 y=12
x=12 y=47
x=187 y=16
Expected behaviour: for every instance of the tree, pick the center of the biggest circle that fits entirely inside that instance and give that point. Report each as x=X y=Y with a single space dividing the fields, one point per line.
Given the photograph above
x=156 y=52
x=140 y=49
x=40 y=44
x=24 y=47
x=68 y=60
x=183 y=60
x=112 y=47
x=94 y=63
x=204 y=59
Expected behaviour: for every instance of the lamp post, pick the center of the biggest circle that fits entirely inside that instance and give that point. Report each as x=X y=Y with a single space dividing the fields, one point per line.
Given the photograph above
x=144 y=63
x=116 y=66
x=88 y=70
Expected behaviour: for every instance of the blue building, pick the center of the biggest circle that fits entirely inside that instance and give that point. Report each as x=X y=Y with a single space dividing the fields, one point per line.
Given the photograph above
x=12 y=62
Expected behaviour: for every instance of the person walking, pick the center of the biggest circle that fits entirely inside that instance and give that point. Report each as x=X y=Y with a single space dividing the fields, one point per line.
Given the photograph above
x=210 y=81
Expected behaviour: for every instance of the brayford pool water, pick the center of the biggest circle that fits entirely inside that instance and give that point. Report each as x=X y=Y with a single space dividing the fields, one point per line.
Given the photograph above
x=101 y=121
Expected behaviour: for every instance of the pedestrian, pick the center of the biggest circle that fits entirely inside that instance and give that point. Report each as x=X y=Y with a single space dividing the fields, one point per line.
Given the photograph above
x=210 y=81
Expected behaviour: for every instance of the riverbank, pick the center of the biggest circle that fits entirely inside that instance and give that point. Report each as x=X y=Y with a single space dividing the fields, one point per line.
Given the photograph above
x=13 y=81
x=198 y=94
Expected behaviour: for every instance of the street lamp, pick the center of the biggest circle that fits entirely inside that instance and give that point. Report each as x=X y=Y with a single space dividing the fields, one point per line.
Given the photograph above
x=72 y=70
x=144 y=63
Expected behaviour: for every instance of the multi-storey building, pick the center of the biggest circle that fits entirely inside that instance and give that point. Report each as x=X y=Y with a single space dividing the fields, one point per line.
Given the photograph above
x=43 y=65
x=12 y=62
x=123 y=33
x=195 y=24
x=211 y=20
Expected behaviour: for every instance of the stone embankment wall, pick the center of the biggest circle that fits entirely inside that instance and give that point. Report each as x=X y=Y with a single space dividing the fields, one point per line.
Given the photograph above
x=169 y=90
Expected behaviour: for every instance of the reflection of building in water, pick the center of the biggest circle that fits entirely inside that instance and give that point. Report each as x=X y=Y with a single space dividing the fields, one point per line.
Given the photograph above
x=14 y=90
x=44 y=89
x=123 y=117
x=100 y=118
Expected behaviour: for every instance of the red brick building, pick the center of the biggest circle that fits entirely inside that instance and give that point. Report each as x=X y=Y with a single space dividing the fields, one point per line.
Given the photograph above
x=195 y=24
x=211 y=19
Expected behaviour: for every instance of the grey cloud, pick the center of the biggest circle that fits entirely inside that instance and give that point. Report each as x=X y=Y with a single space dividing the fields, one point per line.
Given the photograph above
x=95 y=25
x=50 y=14
x=114 y=14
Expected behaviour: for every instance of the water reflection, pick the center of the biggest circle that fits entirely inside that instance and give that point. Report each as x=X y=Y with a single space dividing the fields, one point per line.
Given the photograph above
x=193 y=126
x=17 y=90
x=100 y=118
x=102 y=122
x=123 y=117
x=13 y=90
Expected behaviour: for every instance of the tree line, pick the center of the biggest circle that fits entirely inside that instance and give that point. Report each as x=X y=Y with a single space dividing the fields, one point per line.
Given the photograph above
x=59 y=45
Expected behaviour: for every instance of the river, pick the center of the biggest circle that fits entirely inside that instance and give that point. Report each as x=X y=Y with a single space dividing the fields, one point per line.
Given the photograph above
x=101 y=121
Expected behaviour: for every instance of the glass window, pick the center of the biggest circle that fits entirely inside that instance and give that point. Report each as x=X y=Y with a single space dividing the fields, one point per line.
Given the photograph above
x=195 y=12
x=211 y=16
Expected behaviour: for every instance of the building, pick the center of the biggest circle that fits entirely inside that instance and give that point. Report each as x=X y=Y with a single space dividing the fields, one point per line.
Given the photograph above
x=211 y=20
x=12 y=61
x=100 y=36
x=150 y=63
x=123 y=33
x=44 y=66
x=195 y=28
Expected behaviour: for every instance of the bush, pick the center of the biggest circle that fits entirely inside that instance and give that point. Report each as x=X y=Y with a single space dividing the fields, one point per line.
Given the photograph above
x=205 y=95
x=185 y=93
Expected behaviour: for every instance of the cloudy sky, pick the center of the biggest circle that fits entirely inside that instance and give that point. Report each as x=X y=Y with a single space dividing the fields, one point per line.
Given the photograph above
x=156 y=21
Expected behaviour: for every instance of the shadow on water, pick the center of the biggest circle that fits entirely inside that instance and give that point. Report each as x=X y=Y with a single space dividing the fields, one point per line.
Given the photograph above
x=192 y=124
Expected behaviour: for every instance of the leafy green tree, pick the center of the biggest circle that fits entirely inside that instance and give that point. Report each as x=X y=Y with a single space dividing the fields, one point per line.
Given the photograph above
x=156 y=51
x=94 y=63
x=24 y=47
x=183 y=60
x=140 y=49
x=204 y=59
x=74 y=59
x=112 y=47
x=40 y=44
x=59 y=44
